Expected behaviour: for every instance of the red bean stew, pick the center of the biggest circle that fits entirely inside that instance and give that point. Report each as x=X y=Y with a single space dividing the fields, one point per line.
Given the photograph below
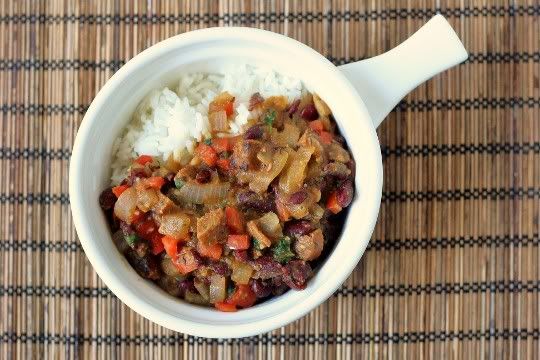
x=249 y=216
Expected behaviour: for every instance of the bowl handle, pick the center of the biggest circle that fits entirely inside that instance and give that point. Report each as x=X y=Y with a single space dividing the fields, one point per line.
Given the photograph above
x=382 y=81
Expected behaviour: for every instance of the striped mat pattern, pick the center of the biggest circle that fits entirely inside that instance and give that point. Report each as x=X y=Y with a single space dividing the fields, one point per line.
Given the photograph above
x=453 y=268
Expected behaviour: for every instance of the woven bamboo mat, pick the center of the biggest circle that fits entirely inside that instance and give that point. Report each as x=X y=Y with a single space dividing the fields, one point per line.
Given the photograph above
x=453 y=268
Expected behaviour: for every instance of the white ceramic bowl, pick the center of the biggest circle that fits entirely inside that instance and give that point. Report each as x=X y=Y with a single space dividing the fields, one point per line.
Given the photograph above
x=160 y=65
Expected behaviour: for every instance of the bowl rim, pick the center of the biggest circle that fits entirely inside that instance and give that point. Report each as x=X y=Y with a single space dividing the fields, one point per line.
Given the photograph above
x=84 y=230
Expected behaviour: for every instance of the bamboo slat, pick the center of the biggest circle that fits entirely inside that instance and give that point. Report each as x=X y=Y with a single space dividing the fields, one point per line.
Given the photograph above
x=453 y=268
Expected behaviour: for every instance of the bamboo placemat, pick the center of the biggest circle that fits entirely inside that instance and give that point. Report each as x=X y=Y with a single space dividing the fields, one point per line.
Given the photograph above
x=453 y=269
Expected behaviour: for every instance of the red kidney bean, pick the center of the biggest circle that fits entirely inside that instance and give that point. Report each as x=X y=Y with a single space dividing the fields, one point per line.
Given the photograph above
x=126 y=228
x=298 y=197
x=135 y=174
x=219 y=267
x=254 y=133
x=336 y=169
x=293 y=107
x=241 y=255
x=297 y=228
x=345 y=193
x=266 y=267
x=261 y=288
x=252 y=200
x=296 y=274
x=203 y=176
x=107 y=199
x=278 y=286
x=146 y=266
x=309 y=112
x=186 y=285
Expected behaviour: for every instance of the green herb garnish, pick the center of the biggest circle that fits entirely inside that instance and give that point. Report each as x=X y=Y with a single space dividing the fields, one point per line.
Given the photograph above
x=225 y=155
x=131 y=239
x=256 y=244
x=179 y=183
x=208 y=141
x=270 y=117
x=230 y=289
x=282 y=250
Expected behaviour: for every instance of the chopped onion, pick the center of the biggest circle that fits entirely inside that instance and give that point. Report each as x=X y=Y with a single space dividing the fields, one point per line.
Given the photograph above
x=218 y=290
x=195 y=298
x=201 y=193
x=202 y=288
x=269 y=224
x=292 y=178
x=126 y=205
x=168 y=267
x=241 y=272
x=218 y=121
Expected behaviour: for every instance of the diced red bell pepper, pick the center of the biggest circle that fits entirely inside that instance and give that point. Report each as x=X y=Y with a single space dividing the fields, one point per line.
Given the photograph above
x=221 y=144
x=225 y=307
x=157 y=244
x=155 y=182
x=136 y=217
x=171 y=246
x=332 y=203
x=118 y=190
x=186 y=262
x=229 y=107
x=235 y=220
x=207 y=154
x=143 y=159
x=238 y=242
x=316 y=125
x=224 y=164
x=146 y=228
x=212 y=251
x=326 y=137
x=243 y=296
x=222 y=102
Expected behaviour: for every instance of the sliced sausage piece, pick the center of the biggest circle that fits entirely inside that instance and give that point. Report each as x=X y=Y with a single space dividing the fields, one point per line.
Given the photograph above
x=309 y=247
x=175 y=224
x=244 y=155
x=211 y=227
x=163 y=205
x=147 y=199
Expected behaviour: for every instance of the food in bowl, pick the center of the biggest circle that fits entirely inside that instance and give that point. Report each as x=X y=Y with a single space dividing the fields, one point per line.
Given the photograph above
x=225 y=193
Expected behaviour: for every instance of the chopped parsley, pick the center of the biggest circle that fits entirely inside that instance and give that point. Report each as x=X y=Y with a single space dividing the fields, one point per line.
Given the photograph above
x=270 y=117
x=282 y=250
x=225 y=155
x=256 y=244
x=131 y=239
x=208 y=141
x=179 y=183
x=230 y=289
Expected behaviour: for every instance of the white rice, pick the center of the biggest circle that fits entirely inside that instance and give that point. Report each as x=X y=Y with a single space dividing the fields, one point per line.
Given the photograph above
x=169 y=123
